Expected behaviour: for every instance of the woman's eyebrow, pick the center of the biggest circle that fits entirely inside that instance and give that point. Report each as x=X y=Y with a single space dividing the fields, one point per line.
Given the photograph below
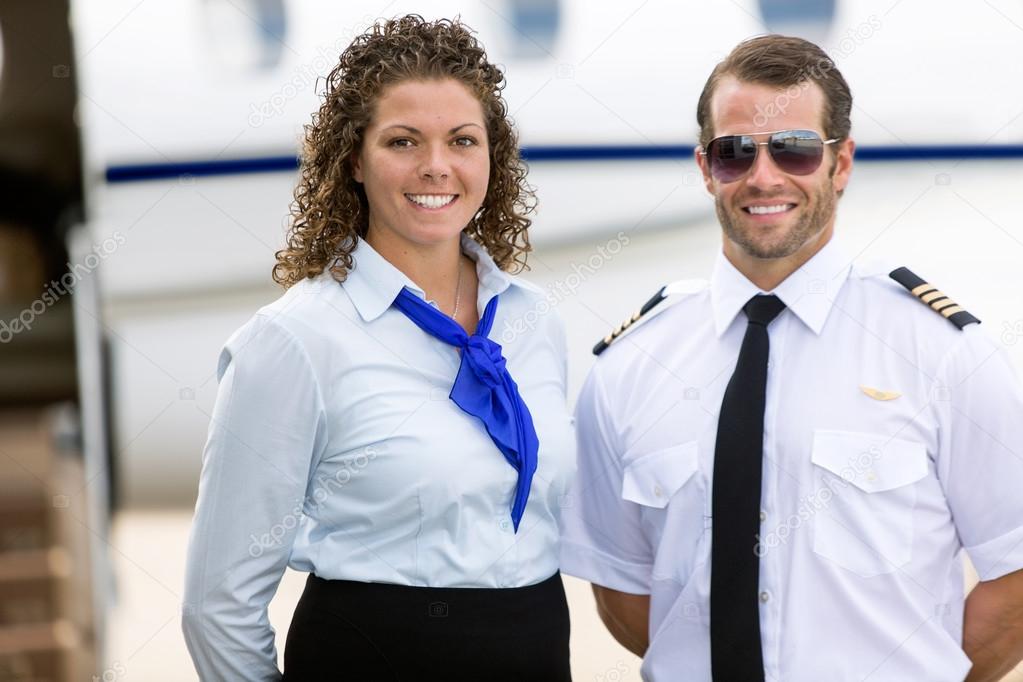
x=416 y=131
x=457 y=128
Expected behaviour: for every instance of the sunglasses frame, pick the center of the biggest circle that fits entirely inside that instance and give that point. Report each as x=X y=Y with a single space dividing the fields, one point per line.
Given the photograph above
x=702 y=151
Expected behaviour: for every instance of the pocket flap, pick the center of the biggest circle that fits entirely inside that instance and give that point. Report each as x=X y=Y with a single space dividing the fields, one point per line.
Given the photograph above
x=871 y=462
x=652 y=478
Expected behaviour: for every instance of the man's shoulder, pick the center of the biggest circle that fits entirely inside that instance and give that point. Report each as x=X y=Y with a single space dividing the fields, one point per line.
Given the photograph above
x=913 y=315
x=900 y=292
x=647 y=320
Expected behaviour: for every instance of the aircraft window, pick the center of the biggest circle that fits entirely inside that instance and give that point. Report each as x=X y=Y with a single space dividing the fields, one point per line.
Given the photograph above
x=534 y=27
x=245 y=34
x=809 y=19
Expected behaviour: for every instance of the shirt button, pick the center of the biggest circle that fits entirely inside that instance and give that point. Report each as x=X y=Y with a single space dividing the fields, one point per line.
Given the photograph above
x=658 y=491
x=505 y=524
x=763 y=515
x=765 y=597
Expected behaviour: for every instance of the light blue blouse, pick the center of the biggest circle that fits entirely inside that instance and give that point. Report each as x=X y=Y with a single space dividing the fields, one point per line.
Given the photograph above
x=334 y=448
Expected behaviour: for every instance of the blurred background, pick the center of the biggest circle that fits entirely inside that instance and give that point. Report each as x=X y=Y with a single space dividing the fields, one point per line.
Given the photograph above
x=148 y=152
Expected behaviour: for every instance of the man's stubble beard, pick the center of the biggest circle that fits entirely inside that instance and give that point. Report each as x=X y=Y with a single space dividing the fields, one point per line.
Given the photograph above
x=809 y=225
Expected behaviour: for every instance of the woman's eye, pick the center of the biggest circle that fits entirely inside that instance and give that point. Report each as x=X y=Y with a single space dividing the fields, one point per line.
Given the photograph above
x=465 y=141
x=401 y=142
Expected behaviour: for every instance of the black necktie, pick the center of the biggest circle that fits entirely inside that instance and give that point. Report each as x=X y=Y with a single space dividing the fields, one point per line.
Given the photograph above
x=734 y=601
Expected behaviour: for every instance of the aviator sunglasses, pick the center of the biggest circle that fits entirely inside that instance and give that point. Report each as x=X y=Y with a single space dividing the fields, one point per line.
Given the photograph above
x=796 y=152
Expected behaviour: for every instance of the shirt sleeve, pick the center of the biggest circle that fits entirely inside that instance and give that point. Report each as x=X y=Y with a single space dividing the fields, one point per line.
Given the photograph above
x=603 y=541
x=980 y=401
x=267 y=429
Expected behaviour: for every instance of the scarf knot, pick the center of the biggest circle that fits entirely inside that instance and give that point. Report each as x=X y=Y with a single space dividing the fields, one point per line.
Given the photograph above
x=484 y=389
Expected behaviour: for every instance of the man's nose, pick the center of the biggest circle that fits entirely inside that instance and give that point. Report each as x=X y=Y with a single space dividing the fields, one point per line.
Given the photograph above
x=765 y=172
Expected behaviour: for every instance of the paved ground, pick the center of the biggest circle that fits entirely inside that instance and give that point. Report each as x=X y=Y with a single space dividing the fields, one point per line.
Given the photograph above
x=145 y=630
x=145 y=640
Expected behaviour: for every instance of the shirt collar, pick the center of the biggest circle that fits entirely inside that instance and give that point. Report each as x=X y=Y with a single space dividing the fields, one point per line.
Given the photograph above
x=373 y=282
x=809 y=292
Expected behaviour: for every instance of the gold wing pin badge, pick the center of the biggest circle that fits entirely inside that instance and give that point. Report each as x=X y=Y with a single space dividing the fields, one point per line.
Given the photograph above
x=878 y=394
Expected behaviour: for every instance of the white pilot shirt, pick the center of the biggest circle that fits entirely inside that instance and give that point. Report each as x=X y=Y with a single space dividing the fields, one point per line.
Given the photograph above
x=866 y=503
x=333 y=448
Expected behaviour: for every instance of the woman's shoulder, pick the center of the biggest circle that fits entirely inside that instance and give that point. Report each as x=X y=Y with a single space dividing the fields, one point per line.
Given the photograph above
x=307 y=306
x=302 y=314
x=531 y=311
x=523 y=296
x=521 y=291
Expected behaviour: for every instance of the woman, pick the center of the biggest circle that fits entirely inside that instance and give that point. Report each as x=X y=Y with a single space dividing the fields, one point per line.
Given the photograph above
x=363 y=432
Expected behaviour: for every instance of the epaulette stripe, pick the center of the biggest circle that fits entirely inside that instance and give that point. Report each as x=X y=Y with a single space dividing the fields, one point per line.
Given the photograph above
x=922 y=289
x=635 y=317
x=935 y=299
x=949 y=312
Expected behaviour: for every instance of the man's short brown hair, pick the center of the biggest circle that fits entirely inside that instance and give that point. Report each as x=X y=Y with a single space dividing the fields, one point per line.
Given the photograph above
x=782 y=62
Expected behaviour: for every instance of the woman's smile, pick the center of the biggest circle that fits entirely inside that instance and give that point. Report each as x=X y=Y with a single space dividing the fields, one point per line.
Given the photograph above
x=432 y=202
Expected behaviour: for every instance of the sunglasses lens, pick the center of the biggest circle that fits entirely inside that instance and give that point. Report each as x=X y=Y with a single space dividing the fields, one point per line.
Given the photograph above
x=797 y=152
x=731 y=156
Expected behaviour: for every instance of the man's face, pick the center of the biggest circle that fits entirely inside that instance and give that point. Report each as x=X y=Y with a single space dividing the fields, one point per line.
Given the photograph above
x=768 y=213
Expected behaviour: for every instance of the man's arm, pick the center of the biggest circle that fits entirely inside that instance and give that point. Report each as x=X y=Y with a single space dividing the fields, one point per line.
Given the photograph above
x=993 y=627
x=626 y=616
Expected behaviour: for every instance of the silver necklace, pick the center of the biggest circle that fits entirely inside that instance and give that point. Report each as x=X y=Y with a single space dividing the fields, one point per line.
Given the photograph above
x=458 y=288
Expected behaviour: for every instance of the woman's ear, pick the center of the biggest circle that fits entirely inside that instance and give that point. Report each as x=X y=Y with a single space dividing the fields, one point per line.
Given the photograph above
x=356 y=163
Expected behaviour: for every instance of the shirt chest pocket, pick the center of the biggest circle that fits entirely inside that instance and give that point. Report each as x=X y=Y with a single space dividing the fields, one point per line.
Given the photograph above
x=867 y=494
x=671 y=494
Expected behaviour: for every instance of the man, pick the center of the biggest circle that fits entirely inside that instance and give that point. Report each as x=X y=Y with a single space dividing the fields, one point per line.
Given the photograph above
x=777 y=472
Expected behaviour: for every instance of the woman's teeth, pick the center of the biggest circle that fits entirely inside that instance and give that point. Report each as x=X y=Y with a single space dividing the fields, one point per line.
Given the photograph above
x=431 y=200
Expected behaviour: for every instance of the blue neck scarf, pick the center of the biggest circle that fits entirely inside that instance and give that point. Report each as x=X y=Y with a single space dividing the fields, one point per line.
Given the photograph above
x=484 y=389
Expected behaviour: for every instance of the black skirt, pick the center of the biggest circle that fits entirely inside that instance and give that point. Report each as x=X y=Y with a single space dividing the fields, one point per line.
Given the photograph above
x=345 y=630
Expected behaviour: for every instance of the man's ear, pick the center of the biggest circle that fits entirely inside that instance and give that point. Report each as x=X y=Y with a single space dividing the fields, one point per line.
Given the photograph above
x=843 y=163
x=701 y=161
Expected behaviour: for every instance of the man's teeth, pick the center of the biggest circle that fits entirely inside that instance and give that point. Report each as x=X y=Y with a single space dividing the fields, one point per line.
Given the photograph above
x=764 y=210
x=431 y=200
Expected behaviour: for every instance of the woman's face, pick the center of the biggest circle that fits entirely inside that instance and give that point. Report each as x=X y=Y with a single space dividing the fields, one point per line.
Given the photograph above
x=424 y=163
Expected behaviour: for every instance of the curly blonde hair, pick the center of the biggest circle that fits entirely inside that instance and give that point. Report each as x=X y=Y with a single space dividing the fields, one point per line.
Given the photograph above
x=330 y=209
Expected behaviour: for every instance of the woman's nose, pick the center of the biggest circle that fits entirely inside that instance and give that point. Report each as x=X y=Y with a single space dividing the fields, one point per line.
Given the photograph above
x=436 y=166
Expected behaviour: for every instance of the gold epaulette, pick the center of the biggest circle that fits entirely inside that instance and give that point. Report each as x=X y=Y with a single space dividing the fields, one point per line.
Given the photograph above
x=681 y=287
x=929 y=294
